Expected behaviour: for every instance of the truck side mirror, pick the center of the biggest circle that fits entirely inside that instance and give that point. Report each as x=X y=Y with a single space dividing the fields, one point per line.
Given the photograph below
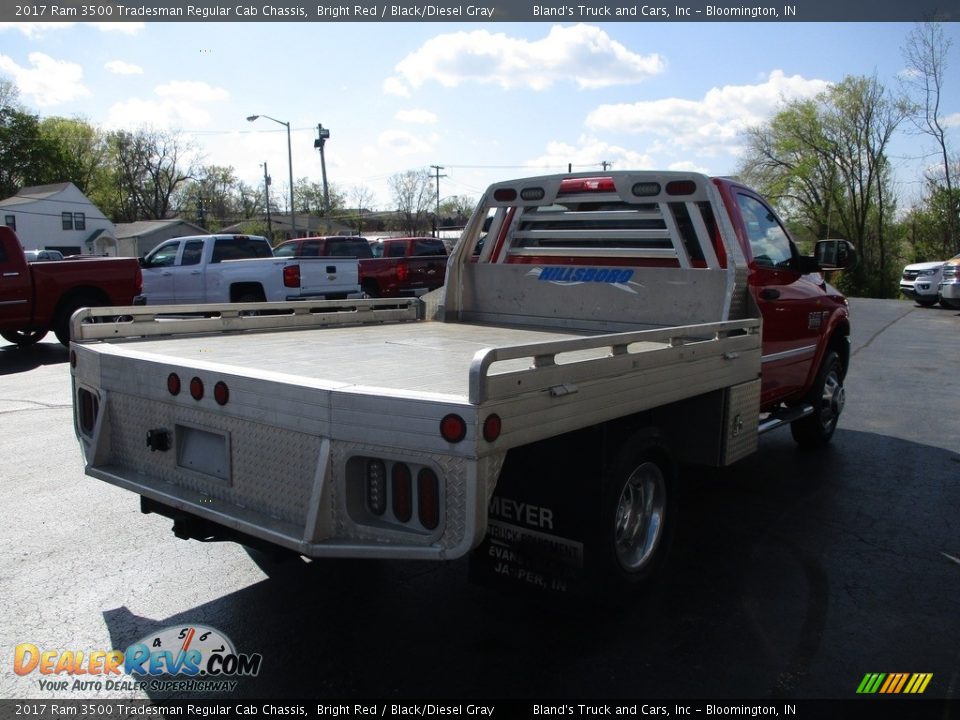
x=835 y=255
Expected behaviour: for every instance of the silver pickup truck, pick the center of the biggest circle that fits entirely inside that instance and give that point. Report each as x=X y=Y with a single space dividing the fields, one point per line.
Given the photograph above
x=593 y=332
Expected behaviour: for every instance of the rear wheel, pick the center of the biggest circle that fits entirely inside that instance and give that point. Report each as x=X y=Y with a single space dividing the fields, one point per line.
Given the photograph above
x=637 y=515
x=827 y=397
x=61 y=323
x=926 y=302
x=23 y=338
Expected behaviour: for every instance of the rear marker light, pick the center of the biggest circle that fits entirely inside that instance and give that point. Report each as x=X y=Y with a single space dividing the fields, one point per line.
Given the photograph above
x=681 y=187
x=428 y=498
x=587 y=185
x=376 y=487
x=532 y=194
x=173 y=384
x=453 y=428
x=196 y=389
x=221 y=393
x=492 y=427
x=402 y=487
x=504 y=194
x=646 y=189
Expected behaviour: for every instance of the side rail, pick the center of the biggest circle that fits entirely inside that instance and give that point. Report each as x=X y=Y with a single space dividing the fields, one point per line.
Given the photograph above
x=104 y=323
x=557 y=366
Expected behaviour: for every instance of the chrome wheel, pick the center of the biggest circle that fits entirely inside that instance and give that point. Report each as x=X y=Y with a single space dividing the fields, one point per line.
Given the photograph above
x=639 y=521
x=831 y=401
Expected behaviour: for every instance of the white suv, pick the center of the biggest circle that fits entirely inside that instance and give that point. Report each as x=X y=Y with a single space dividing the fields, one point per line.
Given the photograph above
x=921 y=282
x=950 y=284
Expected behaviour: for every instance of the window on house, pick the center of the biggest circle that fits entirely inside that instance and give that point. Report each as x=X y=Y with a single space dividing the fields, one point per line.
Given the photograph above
x=10 y=221
x=79 y=221
x=67 y=220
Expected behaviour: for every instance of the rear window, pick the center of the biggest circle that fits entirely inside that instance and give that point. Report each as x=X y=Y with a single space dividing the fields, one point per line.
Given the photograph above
x=429 y=247
x=240 y=247
x=349 y=247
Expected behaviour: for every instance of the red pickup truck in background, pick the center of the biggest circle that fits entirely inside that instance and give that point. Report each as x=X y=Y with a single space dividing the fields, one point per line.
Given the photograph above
x=38 y=297
x=393 y=267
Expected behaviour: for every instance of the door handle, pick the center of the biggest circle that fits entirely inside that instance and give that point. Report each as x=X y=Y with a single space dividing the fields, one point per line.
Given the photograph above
x=769 y=294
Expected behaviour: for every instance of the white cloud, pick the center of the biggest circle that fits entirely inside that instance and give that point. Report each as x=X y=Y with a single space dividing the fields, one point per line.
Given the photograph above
x=951 y=121
x=395 y=86
x=119 y=67
x=417 y=117
x=401 y=142
x=179 y=104
x=588 y=153
x=581 y=54
x=38 y=29
x=48 y=82
x=710 y=123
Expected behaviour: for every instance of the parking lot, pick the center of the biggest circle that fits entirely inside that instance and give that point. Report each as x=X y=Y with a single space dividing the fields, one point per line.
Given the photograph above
x=794 y=575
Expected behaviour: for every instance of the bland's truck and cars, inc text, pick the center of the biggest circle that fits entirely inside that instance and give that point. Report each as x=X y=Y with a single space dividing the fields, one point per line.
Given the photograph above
x=593 y=332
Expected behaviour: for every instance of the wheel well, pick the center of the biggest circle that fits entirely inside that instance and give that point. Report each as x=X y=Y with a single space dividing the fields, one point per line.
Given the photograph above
x=80 y=297
x=247 y=289
x=840 y=344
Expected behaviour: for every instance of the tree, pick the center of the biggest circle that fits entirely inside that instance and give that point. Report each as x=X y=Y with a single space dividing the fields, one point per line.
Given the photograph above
x=27 y=158
x=457 y=209
x=150 y=166
x=81 y=152
x=361 y=197
x=823 y=162
x=925 y=54
x=413 y=194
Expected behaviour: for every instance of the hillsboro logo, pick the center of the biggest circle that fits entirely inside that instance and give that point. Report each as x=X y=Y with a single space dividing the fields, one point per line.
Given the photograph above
x=565 y=275
x=894 y=683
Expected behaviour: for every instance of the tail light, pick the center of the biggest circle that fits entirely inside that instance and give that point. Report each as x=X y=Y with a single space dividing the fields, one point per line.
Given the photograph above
x=196 y=389
x=428 y=498
x=173 y=384
x=138 y=281
x=492 y=427
x=221 y=393
x=402 y=490
x=453 y=428
x=403 y=272
x=681 y=187
x=88 y=407
x=291 y=276
x=574 y=186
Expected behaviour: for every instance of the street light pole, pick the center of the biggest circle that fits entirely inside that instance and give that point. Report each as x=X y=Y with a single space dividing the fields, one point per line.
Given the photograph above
x=293 y=213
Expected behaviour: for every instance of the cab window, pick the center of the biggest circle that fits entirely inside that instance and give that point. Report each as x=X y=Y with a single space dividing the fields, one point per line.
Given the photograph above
x=769 y=242
x=165 y=255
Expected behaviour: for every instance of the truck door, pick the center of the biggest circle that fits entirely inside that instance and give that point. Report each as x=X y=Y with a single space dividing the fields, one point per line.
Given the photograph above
x=158 y=273
x=788 y=301
x=15 y=283
x=188 y=278
x=430 y=260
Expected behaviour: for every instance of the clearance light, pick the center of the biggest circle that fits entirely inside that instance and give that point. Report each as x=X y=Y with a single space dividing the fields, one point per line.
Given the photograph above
x=173 y=384
x=428 y=498
x=402 y=492
x=376 y=487
x=573 y=186
x=492 y=427
x=504 y=194
x=532 y=193
x=646 y=189
x=221 y=393
x=681 y=187
x=453 y=428
x=196 y=389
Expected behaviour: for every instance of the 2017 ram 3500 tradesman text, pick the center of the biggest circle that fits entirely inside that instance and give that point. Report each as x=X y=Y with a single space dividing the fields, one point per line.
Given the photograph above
x=536 y=406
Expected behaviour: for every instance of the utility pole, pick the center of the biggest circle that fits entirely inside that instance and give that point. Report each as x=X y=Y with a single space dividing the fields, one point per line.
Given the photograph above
x=266 y=194
x=604 y=163
x=438 y=168
x=323 y=134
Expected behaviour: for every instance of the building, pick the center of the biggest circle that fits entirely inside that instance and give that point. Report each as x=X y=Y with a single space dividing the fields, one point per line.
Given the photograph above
x=136 y=239
x=58 y=217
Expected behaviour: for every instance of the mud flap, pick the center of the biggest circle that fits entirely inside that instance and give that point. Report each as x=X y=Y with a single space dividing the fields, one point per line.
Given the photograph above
x=540 y=516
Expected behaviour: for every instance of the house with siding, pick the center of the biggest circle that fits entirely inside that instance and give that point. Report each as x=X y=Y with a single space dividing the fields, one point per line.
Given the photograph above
x=58 y=217
x=136 y=239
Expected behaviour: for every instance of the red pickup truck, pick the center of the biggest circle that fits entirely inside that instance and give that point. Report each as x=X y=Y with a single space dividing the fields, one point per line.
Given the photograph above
x=394 y=267
x=38 y=297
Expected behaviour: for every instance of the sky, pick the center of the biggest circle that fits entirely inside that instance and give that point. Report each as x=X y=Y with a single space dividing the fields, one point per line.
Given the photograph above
x=487 y=101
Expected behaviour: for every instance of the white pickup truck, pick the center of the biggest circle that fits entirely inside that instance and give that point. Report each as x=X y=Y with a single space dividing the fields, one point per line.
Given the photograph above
x=593 y=333
x=240 y=268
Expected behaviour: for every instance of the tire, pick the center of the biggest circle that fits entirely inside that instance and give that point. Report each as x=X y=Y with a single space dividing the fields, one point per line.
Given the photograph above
x=23 y=338
x=926 y=302
x=827 y=397
x=637 y=517
x=61 y=323
x=950 y=304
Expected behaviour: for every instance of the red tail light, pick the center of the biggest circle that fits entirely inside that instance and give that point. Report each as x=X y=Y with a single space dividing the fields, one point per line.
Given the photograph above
x=196 y=389
x=138 y=281
x=291 y=276
x=492 y=427
x=428 y=498
x=221 y=393
x=453 y=428
x=681 y=187
x=402 y=491
x=403 y=271
x=173 y=384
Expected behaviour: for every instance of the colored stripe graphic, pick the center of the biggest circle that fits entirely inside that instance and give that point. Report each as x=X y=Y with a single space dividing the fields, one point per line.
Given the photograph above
x=894 y=683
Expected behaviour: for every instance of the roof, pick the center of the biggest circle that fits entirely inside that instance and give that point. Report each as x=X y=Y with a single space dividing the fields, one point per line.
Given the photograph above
x=142 y=228
x=37 y=192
